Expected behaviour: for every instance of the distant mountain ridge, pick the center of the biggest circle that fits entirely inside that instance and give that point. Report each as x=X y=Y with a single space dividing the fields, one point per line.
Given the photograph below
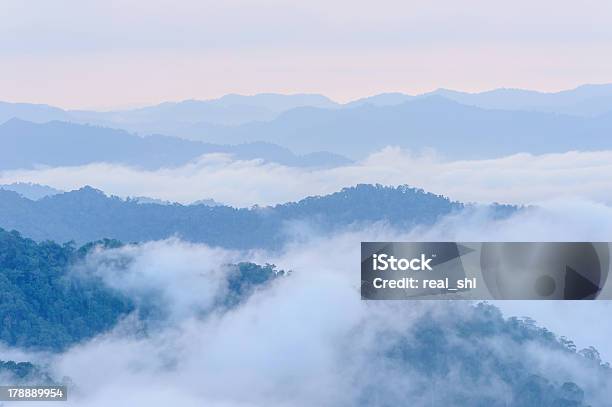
x=231 y=109
x=31 y=191
x=585 y=100
x=456 y=124
x=234 y=109
x=25 y=145
x=455 y=130
x=88 y=214
x=34 y=192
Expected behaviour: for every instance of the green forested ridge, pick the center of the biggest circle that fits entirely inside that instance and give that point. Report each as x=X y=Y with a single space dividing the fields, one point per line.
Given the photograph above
x=43 y=306
x=40 y=306
x=245 y=278
x=88 y=215
x=18 y=369
x=23 y=373
x=486 y=349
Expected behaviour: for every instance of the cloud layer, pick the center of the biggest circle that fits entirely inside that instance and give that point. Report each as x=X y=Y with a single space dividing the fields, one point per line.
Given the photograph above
x=307 y=339
x=521 y=178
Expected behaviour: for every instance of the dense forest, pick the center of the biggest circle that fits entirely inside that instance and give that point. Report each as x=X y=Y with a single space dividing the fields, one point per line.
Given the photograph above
x=488 y=351
x=88 y=215
x=40 y=306
x=21 y=373
x=44 y=306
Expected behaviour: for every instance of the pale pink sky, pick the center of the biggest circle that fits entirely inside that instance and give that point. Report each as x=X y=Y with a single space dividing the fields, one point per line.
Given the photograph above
x=103 y=54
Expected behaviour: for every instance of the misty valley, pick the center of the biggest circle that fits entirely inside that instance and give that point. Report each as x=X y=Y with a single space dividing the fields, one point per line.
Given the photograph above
x=184 y=293
x=206 y=252
x=61 y=304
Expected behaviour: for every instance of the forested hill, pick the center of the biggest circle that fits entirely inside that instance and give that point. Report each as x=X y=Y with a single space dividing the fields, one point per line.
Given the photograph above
x=44 y=306
x=88 y=214
x=40 y=307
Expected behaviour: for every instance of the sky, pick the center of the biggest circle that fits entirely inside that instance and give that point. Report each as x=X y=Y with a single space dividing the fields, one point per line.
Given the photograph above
x=109 y=54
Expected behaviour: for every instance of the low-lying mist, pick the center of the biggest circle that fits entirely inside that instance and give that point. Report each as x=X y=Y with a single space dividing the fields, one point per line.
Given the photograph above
x=521 y=178
x=308 y=339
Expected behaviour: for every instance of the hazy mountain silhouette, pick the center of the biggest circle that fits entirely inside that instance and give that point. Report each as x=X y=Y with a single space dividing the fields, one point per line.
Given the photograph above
x=230 y=109
x=275 y=102
x=454 y=129
x=25 y=144
x=88 y=214
x=586 y=100
x=35 y=192
x=383 y=99
x=32 y=112
x=457 y=124
x=172 y=118
x=31 y=191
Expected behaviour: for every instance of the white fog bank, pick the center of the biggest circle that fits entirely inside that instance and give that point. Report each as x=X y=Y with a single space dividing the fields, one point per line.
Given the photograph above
x=521 y=178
